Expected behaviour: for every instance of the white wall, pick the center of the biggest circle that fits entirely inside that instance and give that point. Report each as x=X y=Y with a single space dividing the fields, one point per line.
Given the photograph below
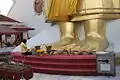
x=3 y=8
x=23 y=11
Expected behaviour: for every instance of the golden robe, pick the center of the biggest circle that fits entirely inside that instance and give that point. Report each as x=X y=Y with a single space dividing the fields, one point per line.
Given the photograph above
x=58 y=10
x=94 y=9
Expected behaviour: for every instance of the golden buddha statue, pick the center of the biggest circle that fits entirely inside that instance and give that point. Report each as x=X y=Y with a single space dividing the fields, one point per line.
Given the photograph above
x=69 y=14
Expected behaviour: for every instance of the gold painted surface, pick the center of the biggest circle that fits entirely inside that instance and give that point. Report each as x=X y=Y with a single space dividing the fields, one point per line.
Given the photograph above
x=95 y=39
x=103 y=9
x=116 y=3
x=98 y=11
x=68 y=36
x=95 y=36
x=93 y=14
x=58 y=10
x=96 y=16
x=95 y=4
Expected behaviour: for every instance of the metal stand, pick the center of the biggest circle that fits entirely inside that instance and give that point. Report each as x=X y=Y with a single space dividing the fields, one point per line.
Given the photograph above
x=106 y=63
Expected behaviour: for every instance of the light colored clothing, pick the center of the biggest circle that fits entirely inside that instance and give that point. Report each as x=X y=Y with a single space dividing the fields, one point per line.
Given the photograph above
x=23 y=47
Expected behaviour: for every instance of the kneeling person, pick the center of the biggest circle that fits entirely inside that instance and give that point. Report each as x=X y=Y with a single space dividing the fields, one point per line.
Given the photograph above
x=24 y=49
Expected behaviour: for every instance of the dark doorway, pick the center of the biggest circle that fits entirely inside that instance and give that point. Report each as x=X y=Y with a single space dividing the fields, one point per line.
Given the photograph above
x=21 y=36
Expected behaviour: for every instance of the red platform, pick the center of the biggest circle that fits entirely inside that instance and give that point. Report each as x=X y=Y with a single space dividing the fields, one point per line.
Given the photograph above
x=61 y=64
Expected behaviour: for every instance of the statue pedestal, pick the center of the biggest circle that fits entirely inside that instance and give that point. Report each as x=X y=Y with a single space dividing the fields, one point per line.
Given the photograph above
x=82 y=65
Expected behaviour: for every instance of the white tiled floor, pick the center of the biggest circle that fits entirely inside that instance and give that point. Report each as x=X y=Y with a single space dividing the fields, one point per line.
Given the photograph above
x=38 y=76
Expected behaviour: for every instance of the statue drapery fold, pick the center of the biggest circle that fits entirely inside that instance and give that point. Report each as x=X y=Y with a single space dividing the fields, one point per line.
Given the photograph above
x=59 y=10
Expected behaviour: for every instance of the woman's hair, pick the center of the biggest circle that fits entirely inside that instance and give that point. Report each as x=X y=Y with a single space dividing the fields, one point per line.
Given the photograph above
x=24 y=41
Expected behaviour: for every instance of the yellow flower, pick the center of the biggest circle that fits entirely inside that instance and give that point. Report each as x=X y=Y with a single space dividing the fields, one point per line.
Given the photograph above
x=40 y=51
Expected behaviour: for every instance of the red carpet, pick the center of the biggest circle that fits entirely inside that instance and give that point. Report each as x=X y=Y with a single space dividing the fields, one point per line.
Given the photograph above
x=61 y=64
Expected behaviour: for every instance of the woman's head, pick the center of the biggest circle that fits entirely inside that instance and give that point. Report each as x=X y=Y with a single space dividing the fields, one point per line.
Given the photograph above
x=24 y=41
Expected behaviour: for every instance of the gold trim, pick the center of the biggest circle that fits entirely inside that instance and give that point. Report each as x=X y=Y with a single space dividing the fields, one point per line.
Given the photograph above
x=98 y=10
x=95 y=16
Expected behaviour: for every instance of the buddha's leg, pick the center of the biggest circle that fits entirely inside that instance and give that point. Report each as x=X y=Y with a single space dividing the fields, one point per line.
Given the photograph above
x=67 y=35
x=95 y=35
x=76 y=40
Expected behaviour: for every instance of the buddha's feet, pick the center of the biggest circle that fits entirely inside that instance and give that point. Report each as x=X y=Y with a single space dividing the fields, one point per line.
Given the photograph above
x=93 y=44
x=62 y=43
x=72 y=45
